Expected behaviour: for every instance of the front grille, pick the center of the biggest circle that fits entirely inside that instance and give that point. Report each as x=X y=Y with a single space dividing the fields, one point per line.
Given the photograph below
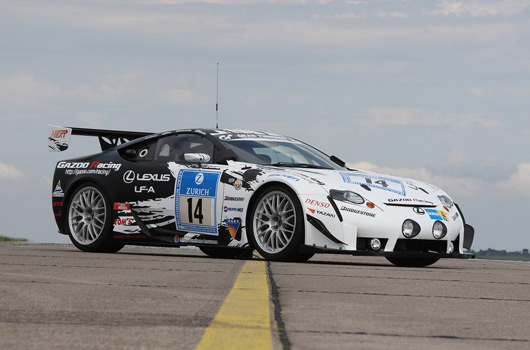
x=420 y=245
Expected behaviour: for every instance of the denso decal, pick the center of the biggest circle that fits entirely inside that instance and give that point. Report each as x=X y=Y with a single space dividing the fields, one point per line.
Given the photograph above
x=130 y=176
x=382 y=183
x=196 y=201
x=317 y=203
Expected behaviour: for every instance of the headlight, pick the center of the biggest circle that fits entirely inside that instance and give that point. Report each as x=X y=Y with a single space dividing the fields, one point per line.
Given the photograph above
x=410 y=228
x=446 y=201
x=347 y=196
x=439 y=230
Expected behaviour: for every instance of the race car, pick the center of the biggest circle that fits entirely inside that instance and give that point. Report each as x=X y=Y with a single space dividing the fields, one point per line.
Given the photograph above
x=229 y=192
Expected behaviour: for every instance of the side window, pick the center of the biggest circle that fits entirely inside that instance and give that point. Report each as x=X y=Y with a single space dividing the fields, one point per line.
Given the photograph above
x=141 y=151
x=173 y=148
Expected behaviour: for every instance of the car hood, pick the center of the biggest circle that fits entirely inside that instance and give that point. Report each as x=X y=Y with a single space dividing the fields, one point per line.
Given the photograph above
x=374 y=187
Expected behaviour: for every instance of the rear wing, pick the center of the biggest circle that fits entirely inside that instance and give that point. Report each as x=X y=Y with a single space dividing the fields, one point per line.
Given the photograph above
x=59 y=137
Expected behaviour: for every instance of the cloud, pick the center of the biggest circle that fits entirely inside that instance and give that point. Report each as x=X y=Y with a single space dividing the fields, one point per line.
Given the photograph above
x=25 y=87
x=481 y=8
x=459 y=187
x=518 y=182
x=516 y=186
x=231 y=2
x=390 y=14
x=182 y=97
x=479 y=92
x=225 y=27
x=10 y=172
x=388 y=117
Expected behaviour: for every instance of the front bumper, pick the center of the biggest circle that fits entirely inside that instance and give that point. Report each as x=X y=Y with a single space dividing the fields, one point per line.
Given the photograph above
x=455 y=255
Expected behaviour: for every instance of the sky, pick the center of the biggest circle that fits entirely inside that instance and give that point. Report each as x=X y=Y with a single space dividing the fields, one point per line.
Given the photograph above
x=437 y=91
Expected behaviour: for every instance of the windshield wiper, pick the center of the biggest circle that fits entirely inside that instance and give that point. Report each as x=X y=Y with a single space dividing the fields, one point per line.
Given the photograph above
x=300 y=165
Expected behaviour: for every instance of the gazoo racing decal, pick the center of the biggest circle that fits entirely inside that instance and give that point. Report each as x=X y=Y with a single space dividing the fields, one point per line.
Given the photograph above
x=88 y=168
x=380 y=182
x=196 y=201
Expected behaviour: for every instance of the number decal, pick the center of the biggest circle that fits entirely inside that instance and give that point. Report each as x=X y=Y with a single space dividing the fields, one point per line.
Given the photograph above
x=197 y=214
x=196 y=201
x=380 y=182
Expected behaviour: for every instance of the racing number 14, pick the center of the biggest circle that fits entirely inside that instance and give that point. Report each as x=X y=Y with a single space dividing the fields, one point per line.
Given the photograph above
x=197 y=213
x=379 y=182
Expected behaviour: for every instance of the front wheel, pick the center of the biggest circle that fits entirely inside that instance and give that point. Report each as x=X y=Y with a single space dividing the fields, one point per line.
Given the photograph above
x=89 y=221
x=275 y=224
x=412 y=262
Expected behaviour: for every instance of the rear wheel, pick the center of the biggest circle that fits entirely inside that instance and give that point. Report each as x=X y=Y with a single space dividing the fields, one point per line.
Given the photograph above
x=89 y=222
x=276 y=226
x=412 y=262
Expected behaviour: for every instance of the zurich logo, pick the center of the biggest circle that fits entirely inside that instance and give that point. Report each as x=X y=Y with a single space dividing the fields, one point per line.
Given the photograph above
x=199 y=178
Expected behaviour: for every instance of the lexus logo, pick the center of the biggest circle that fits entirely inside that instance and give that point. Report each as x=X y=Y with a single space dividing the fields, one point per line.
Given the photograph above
x=128 y=177
x=418 y=210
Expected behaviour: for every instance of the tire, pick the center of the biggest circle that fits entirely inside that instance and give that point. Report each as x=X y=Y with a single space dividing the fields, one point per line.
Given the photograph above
x=412 y=262
x=226 y=252
x=276 y=225
x=302 y=257
x=89 y=221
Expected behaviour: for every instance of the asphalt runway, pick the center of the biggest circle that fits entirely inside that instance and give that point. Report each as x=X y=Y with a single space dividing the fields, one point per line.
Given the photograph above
x=57 y=297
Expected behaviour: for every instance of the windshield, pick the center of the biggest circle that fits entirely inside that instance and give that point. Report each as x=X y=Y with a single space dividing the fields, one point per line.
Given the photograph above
x=280 y=153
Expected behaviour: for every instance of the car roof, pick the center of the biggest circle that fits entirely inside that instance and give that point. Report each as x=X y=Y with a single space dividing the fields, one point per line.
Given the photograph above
x=231 y=134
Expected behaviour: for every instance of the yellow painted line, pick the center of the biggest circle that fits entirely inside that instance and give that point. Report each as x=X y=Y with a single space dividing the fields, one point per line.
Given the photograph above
x=243 y=322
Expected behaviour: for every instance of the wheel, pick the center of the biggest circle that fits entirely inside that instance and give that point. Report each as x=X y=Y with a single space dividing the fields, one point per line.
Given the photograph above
x=412 y=262
x=276 y=226
x=89 y=221
x=215 y=252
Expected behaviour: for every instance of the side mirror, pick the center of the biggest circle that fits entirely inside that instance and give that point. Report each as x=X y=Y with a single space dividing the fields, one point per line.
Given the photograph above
x=196 y=157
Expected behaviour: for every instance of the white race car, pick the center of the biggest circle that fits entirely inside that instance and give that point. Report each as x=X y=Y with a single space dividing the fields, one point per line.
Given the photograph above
x=232 y=191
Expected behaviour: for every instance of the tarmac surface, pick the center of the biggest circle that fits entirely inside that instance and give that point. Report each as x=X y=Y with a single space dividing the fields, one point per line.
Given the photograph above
x=57 y=297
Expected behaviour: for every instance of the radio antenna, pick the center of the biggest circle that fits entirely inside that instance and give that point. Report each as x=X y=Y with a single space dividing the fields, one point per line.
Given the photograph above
x=217 y=100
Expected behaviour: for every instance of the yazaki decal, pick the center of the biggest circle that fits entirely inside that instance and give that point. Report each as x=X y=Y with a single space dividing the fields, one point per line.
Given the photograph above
x=196 y=201
x=380 y=182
